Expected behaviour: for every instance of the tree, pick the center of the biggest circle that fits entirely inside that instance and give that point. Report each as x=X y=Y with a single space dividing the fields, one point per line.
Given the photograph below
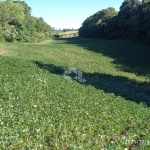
x=132 y=22
x=27 y=9
x=95 y=25
x=16 y=23
x=145 y=1
x=10 y=11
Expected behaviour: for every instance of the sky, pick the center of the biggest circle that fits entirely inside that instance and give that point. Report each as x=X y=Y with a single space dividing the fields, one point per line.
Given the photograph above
x=68 y=13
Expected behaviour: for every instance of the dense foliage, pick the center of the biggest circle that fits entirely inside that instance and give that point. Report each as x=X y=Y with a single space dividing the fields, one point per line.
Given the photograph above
x=17 y=24
x=132 y=22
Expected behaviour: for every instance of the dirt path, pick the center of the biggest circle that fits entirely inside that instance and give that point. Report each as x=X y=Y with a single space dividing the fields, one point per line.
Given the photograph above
x=3 y=52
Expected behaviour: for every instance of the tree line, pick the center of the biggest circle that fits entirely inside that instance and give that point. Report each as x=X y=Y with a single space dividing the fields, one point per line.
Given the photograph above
x=131 y=22
x=17 y=24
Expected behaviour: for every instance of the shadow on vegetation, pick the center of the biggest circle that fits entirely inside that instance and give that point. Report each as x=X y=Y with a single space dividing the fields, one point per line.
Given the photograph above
x=50 y=67
x=120 y=86
x=127 y=56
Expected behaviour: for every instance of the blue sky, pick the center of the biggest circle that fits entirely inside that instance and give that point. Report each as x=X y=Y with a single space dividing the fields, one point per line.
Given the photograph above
x=69 y=13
